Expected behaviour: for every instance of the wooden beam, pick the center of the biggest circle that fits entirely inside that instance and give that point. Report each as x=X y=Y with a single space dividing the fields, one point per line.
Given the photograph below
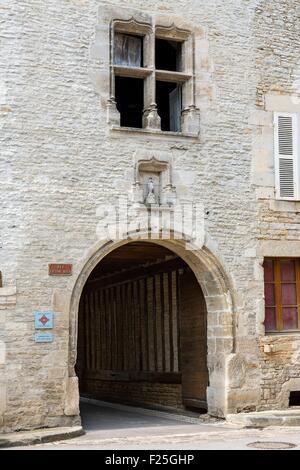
x=134 y=274
x=162 y=312
x=134 y=376
x=170 y=291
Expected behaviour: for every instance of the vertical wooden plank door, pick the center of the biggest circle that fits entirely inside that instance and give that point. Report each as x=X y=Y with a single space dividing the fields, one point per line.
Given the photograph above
x=193 y=342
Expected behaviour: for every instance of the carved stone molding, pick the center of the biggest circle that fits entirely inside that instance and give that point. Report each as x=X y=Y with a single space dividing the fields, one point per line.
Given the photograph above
x=112 y=114
x=131 y=26
x=153 y=183
x=172 y=32
x=151 y=118
x=191 y=120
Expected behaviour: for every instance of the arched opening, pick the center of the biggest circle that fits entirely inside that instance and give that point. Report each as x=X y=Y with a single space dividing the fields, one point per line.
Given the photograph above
x=142 y=335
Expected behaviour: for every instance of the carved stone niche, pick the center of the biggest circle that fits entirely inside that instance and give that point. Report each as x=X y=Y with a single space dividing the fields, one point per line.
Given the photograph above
x=153 y=184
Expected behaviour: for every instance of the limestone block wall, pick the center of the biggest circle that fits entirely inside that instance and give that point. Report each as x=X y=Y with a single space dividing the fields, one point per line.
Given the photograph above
x=277 y=70
x=7 y=302
x=280 y=370
x=135 y=393
x=61 y=161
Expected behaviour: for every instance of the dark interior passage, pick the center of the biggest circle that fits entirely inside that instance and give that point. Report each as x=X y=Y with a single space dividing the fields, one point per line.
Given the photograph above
x=142 y=330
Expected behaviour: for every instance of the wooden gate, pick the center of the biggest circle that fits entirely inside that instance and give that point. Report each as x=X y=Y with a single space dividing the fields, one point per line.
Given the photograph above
x=193 y=342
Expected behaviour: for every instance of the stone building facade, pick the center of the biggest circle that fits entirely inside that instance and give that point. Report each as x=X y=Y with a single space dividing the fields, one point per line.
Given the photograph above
x=67 y=158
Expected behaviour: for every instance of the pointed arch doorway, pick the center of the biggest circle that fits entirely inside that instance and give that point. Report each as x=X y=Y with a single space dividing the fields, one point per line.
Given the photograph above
x=142 y=336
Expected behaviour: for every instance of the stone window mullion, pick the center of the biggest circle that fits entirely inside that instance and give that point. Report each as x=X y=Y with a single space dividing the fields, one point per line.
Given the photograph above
x=151 y=119
x=189 y=115
x=113 y=115
x=188 y=68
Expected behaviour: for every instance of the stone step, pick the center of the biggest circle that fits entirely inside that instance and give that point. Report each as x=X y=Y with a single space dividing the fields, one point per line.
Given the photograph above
x=262 y=419
x=39 y=436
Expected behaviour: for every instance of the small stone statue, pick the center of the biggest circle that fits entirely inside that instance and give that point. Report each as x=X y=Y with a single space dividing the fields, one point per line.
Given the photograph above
x=150 y=198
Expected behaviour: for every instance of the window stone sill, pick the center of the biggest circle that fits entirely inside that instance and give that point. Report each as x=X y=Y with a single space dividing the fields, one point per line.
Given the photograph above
x=281 y=205
x=154 y=132
x=281 y=334
x=285 y=205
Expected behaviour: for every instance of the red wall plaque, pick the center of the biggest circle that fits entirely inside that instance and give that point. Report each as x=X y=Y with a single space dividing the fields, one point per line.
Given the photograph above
x=59 y=269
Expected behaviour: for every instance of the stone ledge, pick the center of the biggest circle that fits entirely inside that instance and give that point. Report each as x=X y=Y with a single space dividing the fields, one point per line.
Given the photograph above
x=154 y=132
x=39 y=436
x=263 y=419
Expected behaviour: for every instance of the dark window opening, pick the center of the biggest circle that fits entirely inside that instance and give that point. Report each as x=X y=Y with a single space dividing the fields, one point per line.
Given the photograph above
x=128 y=50
x=168 y=55
x=168 y=99
x=130 y=100
x=294 y=399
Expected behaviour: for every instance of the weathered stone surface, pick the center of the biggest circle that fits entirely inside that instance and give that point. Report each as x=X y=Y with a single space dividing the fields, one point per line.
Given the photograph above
x=2 y=402
x=266 y=418
x=72 y=397
x=39 y=436
x=280 y=370
x=236 y=371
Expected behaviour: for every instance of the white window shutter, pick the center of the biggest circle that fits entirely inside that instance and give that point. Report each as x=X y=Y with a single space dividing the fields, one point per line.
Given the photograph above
x=286 y=150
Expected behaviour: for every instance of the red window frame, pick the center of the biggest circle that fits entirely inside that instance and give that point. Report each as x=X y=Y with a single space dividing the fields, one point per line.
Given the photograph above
x=282 y=294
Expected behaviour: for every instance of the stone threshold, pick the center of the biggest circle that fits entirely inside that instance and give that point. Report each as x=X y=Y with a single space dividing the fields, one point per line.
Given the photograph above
x=39 y=436
x=263 y=419
x=162 y=412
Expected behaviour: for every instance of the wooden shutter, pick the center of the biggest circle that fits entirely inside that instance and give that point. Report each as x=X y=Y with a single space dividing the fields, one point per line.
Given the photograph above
x=286 y=165
x=127 y=50
x=175 y=109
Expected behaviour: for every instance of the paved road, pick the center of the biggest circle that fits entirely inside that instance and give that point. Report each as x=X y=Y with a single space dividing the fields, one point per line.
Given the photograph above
x=113 y=428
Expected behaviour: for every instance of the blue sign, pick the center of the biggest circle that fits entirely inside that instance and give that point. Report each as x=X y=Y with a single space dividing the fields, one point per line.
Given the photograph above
x=43 y=320
x=44 y=338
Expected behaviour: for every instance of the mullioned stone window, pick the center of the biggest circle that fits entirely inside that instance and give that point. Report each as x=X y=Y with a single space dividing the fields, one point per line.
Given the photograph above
x=147 y=66
x=152 y=76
